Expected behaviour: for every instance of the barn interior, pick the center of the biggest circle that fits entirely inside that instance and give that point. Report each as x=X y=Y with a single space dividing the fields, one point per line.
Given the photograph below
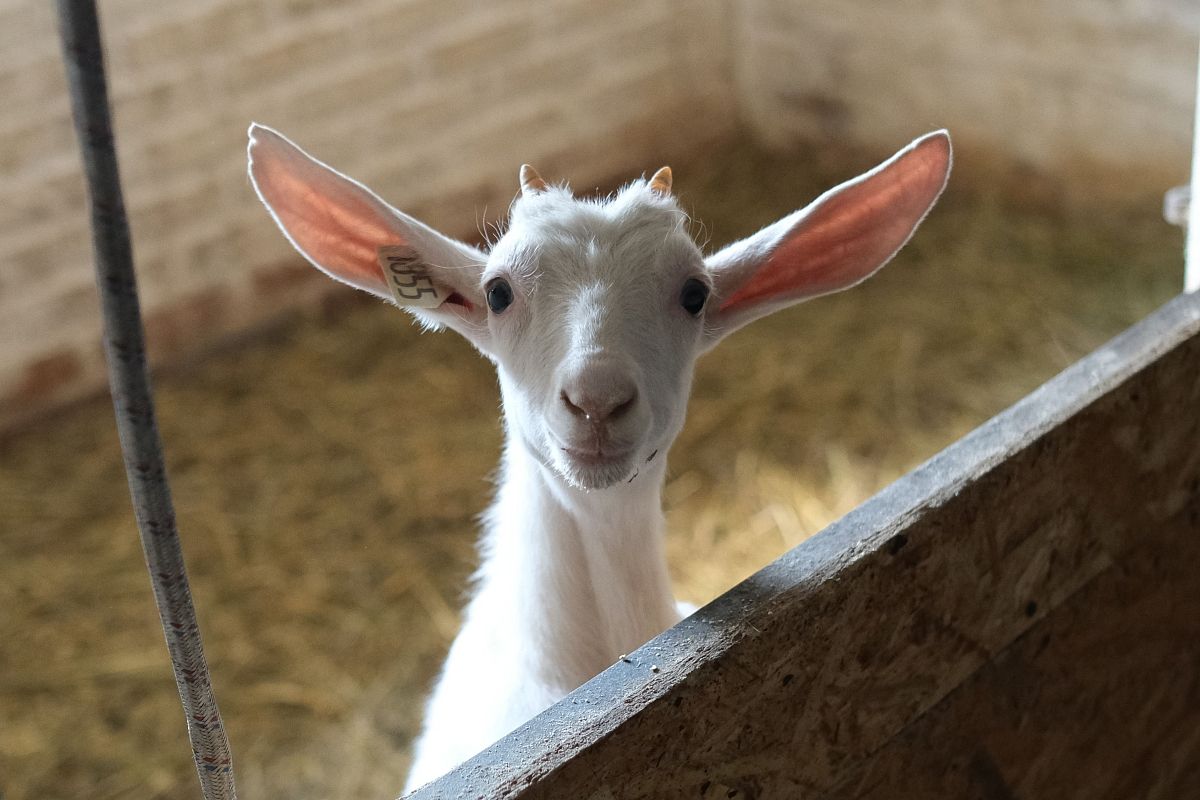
x=330 y=548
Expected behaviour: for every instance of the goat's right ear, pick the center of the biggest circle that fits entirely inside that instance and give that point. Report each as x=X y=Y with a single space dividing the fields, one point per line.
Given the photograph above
x=340 y=226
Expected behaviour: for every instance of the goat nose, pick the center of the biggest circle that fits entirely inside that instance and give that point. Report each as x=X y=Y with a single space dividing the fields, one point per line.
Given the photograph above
x=599 y=395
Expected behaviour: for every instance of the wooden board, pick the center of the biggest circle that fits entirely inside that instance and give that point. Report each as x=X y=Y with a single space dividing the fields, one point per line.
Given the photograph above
x=1018 y=617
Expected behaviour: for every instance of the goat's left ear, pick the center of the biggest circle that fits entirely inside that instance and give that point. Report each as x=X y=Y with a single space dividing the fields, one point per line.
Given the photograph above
x=840 y=239
x=348 y=233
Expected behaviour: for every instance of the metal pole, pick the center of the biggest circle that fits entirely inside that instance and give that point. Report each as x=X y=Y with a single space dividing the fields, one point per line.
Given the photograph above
x=1191 y=279
x=132 y=400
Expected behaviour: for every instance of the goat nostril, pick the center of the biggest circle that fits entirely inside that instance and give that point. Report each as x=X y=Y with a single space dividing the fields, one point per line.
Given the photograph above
x=620 y=409
x=598 y=407
x=597 y=412
x=574 y=409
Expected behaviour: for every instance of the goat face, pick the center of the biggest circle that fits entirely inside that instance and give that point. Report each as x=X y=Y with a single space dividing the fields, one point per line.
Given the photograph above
x=596 y=316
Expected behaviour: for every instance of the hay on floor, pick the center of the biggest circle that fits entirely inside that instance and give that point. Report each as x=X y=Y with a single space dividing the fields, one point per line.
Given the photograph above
x=328 y=476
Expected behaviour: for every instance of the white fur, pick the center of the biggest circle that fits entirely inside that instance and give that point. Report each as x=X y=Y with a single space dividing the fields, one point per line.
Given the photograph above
x=595 y=358
x=573 y=571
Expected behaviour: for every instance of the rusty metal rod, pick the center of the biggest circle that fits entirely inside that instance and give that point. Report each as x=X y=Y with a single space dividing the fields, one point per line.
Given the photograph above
x=133 y=402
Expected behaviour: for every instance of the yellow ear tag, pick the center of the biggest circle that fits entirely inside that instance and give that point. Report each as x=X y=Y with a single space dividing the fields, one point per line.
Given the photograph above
x=408 y=277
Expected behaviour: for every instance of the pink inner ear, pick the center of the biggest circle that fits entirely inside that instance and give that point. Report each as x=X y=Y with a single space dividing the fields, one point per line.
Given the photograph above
x=332 y=220
x=854 y=230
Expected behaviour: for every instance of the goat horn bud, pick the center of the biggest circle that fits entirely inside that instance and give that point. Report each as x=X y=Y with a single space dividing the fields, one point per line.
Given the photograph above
x=531 y=182
x=661 y=182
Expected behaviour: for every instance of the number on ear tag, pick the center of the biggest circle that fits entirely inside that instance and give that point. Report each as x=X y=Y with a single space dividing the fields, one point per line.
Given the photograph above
x=408 y=278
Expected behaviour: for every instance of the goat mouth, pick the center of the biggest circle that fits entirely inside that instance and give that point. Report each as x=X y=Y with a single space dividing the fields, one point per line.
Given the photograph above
x=591 y=469
x=596 y=458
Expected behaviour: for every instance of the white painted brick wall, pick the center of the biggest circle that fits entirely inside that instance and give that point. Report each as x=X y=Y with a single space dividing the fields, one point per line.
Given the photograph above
x=435 y=103
x=1057 y=84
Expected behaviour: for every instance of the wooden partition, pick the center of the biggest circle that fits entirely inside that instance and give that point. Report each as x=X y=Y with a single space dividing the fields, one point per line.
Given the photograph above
x=1017 y=618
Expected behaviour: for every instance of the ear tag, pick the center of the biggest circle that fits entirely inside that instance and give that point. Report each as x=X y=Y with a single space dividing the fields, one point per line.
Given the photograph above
x=408 y=277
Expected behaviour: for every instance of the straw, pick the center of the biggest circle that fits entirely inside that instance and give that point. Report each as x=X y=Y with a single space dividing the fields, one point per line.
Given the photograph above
x=328 y=478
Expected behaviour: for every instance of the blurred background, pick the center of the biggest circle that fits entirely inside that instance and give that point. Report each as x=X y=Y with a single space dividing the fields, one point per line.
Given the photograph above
x=329 y=547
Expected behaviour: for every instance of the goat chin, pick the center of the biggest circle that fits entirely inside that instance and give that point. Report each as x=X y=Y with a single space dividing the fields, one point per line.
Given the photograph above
x=597 y=475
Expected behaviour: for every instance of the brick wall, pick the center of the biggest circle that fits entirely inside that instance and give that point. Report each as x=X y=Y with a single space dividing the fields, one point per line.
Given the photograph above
x=435 y=103
x=1085 y=86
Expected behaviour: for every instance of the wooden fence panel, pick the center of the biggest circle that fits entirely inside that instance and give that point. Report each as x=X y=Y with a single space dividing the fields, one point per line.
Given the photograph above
x=1018 y=617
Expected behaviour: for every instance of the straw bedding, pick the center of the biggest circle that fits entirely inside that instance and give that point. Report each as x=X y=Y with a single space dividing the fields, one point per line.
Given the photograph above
x=328 y=476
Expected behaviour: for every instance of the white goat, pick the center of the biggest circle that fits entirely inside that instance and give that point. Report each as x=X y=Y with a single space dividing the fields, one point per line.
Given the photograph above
x=593 y=312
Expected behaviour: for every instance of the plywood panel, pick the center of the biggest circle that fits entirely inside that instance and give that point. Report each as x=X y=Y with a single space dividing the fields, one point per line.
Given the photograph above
x=1019 y=617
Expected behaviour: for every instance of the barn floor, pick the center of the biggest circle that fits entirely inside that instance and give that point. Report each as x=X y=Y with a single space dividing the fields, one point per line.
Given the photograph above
x=328 y=544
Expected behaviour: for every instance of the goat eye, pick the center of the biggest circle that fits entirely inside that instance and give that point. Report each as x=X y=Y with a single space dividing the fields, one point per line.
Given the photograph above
x=499 y=295
x=693 y=296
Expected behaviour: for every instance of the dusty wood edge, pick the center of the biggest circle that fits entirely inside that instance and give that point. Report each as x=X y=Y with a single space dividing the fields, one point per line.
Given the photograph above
x=601 y=706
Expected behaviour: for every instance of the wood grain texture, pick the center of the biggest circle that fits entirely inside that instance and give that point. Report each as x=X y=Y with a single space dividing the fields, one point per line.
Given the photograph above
x=1018 y=617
